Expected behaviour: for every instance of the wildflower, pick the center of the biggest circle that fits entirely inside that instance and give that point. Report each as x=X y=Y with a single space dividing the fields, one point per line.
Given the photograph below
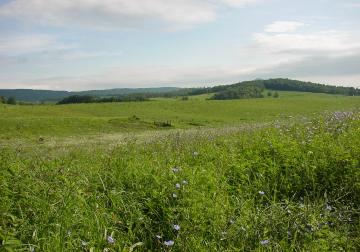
x=84 y=243
x=328 y=207
x=169 y=243
x=176 y=227
x=177 y=185
x=261 y=192
x=264 y=242
x=110 y=240
x=184 y=182
x=174 y=195
x=231 y=221
x=175 y=169
x=158 y=236
x=32 y=248
x=195 y=153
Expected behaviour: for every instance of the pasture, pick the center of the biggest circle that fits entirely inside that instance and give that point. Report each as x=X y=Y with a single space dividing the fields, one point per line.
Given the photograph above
x=243 y=175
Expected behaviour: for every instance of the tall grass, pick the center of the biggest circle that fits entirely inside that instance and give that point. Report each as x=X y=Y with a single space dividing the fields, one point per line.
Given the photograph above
x=283 y=188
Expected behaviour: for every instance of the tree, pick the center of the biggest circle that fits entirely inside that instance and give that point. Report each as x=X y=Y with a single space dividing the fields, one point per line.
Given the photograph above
x=2 y=100
x=11 y=101
x=276 y=95
x=269 y=94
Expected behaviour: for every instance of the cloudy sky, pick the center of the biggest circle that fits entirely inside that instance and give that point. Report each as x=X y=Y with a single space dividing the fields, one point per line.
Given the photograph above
x=97 y=44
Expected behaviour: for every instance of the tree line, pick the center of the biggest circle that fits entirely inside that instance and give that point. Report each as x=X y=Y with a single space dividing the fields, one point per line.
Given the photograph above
x=10 y=100
x=92 y=99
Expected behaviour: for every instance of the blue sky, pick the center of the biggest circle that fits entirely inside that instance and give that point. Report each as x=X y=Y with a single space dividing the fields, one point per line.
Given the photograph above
x=93 y=44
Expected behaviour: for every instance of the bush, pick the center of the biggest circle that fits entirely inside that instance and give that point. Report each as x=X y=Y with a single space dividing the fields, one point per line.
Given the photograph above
x=11 y=101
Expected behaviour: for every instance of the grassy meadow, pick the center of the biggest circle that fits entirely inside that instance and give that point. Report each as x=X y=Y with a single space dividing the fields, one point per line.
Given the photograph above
x=272 y=174
x=34 y=121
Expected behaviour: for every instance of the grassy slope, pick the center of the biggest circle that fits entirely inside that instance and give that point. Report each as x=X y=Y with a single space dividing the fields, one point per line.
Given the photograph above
x=72 y=199
x=67 y=120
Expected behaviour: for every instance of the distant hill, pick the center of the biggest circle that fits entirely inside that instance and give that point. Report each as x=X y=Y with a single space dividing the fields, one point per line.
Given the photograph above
x=252 y=89
x=245 y=89
x=30 y=95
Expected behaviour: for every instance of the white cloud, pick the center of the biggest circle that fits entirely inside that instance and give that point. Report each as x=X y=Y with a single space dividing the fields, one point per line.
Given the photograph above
x=331 y=42
x=283 y=26
x=28 y=44
x=118 y=14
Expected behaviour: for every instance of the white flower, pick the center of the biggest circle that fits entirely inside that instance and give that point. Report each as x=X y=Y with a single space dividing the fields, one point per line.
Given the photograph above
x=84 y=243
x=328 y=207
x=178 y=186
x=175 y=169
x=184 y=182
x=110 y=240
x=261 y=192
x=158 y=236
x=195 y=153
x=174 y=195
x=176 y=227
x=169 y=243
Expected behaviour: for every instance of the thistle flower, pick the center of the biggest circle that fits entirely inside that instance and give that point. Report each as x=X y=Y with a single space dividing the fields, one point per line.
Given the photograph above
x=169 y=243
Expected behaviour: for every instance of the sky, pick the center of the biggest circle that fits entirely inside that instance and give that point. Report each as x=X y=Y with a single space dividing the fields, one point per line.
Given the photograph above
x=101 y=44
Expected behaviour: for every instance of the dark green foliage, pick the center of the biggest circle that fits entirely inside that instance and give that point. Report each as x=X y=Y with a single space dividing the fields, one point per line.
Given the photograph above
x=11 y=101
x=276 y=95
x=90 y=99
x=244 y=91
x=77 y=99
x=2 y=99
x=269 y=93
x=295 y=85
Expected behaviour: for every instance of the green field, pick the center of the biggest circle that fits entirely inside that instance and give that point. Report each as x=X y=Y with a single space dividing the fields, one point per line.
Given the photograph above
x=272 y=174
x=33 y=121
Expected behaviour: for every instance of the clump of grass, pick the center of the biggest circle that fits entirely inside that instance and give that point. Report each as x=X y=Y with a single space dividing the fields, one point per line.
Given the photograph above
x=280 y=188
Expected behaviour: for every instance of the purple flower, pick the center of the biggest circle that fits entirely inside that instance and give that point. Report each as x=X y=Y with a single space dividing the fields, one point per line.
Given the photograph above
x=169 y=243
x=176 y=227
x=110 y=240
x=264 y=242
